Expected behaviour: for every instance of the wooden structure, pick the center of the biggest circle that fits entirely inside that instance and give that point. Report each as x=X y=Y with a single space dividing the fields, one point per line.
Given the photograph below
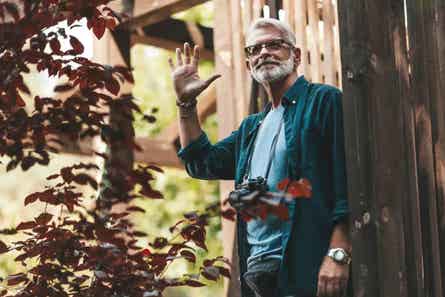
x=393 y=60
x=394 y=84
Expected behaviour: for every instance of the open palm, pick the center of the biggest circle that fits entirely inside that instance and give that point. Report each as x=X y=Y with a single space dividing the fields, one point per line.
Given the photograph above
x=186 y=80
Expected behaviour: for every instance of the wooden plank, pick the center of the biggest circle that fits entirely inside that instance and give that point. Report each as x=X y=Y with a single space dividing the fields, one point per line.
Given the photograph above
x=300 y=16
x=329 y=65
x=162 y=153
x=425 y=91
x=314 y=40
x=226 y=109
x=239 y=65
x=438 y=106
x=289 y=8
x=167 y=44
x=149 y=12
x=372 y=38
x=337 y=60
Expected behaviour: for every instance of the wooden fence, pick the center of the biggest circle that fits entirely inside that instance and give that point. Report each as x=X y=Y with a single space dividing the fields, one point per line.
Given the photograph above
x=393 y=56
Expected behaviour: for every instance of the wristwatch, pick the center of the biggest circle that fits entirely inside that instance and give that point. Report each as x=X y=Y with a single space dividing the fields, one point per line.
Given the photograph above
x=339 y=255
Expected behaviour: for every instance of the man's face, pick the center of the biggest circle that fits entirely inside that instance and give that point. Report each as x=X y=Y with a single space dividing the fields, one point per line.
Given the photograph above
x=273 y=59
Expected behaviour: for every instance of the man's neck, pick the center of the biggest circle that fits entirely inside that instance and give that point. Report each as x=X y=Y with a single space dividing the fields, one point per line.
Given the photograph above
x=276 y=90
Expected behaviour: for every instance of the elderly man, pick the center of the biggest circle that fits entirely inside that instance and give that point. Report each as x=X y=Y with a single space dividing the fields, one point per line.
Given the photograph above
x=298 y=134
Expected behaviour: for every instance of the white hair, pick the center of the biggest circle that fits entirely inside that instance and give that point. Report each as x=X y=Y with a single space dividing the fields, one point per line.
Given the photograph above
x=286 y=32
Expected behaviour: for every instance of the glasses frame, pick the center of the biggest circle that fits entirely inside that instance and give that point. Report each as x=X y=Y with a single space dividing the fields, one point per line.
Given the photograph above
x=249 y=50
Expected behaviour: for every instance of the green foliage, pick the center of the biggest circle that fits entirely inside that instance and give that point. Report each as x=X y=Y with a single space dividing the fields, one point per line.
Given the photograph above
x=154 y=90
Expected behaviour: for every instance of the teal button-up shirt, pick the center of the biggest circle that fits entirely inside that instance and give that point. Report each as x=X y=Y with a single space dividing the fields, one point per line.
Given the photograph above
x=313 y=123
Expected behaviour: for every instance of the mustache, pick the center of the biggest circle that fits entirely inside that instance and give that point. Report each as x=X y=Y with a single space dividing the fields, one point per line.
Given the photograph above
x=268 y=61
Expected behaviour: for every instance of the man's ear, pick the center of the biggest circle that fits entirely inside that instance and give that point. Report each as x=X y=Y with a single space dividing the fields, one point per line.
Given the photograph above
x=297 y=56
x=248 y=64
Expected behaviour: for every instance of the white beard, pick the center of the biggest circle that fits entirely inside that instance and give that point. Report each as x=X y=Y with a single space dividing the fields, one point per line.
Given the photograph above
x=275 y=73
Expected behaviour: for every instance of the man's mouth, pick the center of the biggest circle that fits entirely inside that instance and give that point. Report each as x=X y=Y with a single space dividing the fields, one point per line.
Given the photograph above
x=267 y=63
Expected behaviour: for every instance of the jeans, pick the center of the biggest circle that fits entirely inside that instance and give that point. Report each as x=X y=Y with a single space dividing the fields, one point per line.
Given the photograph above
x=262 y=277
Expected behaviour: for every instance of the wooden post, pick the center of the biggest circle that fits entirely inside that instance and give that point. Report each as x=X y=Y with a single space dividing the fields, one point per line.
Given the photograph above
x=314 y=40
x=226 y=109
x=428 y=98
x=374 y=57
x=329 y=65
x=300 y=16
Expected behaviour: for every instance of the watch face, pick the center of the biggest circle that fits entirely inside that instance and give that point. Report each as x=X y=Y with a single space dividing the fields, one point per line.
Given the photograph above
x=339 y=255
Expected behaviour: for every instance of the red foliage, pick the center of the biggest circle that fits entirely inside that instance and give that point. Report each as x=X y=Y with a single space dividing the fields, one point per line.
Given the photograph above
x=89 y=251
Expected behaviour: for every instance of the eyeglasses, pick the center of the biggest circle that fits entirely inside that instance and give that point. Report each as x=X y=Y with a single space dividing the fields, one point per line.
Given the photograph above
x=273 y=45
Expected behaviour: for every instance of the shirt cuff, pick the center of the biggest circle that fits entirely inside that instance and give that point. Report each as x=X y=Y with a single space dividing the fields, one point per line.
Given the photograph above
x=194 y=148
x=341 y=212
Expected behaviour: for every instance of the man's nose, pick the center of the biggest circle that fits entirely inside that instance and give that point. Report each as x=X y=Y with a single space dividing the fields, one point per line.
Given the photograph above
x=263 y=50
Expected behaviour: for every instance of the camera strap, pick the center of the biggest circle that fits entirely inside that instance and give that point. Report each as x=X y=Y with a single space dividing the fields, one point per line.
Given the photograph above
x=272 y=151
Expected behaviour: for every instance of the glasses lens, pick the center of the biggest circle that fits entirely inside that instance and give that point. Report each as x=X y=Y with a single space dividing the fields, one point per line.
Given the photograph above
x=255 y=49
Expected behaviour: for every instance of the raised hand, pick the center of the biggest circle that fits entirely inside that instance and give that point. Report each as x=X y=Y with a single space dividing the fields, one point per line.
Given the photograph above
x=185 y=76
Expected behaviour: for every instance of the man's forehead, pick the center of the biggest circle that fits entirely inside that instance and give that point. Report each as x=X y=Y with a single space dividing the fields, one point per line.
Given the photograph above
x=262 y=34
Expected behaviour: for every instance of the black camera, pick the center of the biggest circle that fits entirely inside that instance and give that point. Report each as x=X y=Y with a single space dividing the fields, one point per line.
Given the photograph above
x=247 y=192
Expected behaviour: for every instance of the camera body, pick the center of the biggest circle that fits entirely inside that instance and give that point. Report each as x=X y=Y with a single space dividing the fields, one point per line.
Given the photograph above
x=247 y=192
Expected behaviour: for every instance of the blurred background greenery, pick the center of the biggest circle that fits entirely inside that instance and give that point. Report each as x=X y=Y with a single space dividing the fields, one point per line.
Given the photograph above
x=153 y=89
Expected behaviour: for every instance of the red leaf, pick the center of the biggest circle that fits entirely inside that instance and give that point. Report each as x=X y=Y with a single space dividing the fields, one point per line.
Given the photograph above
x=210 y=273
x=224 y=271
x=229 y=214
x=283 y=184
x=31 y=198
x=15 y=279
x=55 y=45
x=136 y=209
x=193 y=283
x=189 y=256
x=99 y=28
x=26 y=225
x=300 y=189
x=110 y=23
x=77 y=45
x=3 y=247
x=44 y=218
x=146 y=253
x=112 y=86
x=63 y=88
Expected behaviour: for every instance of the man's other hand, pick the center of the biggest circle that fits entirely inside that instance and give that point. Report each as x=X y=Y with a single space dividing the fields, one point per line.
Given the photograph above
x=185 y=76
x=332 y=279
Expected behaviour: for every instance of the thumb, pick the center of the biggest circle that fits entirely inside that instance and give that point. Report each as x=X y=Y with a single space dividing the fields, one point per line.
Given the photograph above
x=211 y=79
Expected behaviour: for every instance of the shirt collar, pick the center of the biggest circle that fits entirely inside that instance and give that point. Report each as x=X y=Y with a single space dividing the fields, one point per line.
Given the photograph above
x=291 y=95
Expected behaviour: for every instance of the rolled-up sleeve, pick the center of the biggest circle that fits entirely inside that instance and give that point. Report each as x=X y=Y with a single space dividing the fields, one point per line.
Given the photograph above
x=206 y=161
x=335 y=136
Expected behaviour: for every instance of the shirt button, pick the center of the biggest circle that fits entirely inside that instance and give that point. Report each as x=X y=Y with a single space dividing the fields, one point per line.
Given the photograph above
x=293 y=101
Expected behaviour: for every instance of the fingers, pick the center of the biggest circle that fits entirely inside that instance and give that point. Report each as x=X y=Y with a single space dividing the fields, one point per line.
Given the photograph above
x=212 y=79
x=179 y=57
x=321 y=289
x=171 y=64
x=187 y=53
x=196 y=56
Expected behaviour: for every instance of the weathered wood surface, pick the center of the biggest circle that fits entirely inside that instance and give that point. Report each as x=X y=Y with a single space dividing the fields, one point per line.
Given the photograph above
x=226 y=109
x=373 y=55
x=426 y=35
x=147 y=12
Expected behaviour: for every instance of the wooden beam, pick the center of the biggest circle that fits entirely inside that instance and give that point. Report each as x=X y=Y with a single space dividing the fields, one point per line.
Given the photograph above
x=162 y=153
x=172 y=33
x=150 y=12
x=167 y=44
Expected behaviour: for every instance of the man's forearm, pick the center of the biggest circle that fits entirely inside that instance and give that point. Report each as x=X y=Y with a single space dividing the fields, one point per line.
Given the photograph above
x=340 y=237
x=189 y=126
